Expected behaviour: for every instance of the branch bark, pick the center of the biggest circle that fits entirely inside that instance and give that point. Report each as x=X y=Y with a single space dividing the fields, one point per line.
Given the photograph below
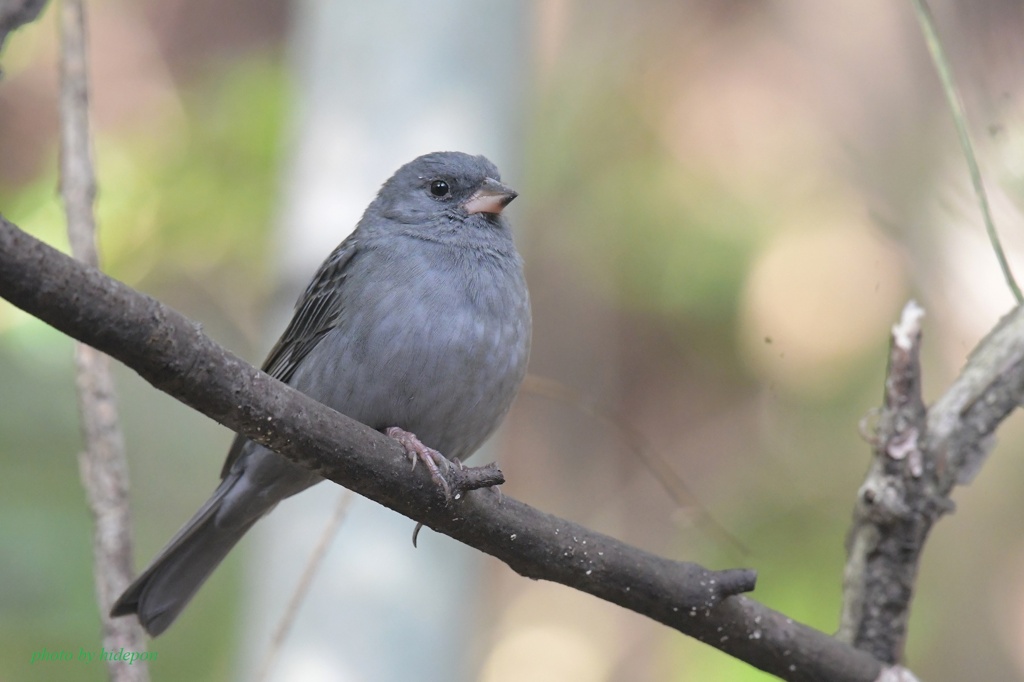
x=16 y=13
x=175 y=356
x=920 y=455
x=102 y=463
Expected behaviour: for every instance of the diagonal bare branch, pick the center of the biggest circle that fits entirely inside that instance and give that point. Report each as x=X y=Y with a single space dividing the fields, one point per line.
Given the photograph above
x=175 y=356
x=16 y=13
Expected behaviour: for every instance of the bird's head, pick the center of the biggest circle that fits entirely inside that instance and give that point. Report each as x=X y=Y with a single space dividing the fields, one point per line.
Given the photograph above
x=445 y=189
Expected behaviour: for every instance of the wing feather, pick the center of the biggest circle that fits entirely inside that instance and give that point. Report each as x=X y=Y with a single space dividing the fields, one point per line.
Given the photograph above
x=317 y=312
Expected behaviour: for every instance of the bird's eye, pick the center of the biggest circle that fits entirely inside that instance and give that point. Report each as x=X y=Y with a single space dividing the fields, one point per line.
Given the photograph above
x=439 y=188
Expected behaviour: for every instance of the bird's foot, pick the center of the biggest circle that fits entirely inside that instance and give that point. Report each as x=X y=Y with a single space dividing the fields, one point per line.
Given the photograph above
x=418 y=452
x=416 y=533
x=465 y=479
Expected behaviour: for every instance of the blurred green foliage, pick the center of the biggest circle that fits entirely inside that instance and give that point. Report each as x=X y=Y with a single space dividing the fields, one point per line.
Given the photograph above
x=188 y=195
x=662 y=237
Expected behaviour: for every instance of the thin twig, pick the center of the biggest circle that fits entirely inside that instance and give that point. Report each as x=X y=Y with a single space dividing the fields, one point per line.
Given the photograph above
x=102 y=463
x=956 y=107
x=316 y=558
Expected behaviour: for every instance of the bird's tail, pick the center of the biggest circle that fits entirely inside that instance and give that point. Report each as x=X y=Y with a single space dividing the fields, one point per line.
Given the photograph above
x=170 y=582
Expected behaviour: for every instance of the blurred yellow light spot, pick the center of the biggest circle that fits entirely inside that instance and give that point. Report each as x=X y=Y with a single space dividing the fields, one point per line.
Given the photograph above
x=823 y=295
x=545 y=653
x=552 y=634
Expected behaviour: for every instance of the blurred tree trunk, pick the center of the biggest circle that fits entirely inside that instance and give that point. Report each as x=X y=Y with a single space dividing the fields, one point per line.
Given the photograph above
x=360 y=113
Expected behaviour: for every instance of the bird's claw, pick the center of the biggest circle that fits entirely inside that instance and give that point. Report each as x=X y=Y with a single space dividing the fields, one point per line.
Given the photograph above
x=418 y=452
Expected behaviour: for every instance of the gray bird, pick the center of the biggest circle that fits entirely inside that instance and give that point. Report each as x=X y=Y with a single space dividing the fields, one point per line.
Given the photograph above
x=417 y=325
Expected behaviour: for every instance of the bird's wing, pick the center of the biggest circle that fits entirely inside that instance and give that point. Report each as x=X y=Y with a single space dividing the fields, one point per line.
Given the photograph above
x=316 y=312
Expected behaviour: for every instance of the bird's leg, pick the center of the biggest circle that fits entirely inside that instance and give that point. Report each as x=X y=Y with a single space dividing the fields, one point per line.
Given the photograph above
x=430 y=457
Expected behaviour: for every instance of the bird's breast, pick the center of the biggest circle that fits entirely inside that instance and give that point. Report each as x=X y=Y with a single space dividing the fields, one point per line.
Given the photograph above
x=437 y=346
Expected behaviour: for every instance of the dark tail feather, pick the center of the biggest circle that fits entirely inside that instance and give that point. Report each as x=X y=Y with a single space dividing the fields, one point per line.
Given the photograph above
x=170 y=582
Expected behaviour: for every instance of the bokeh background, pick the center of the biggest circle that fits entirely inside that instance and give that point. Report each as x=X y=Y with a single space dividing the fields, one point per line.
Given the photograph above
x=723 y=207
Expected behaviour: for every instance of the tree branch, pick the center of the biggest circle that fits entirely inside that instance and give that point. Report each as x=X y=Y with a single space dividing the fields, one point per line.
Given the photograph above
x=175 y=356
x=919 y=456
x=16 y=13
x=102 y=463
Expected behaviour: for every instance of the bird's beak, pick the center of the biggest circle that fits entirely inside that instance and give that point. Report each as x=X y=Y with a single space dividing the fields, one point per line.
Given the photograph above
x=492 y=197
